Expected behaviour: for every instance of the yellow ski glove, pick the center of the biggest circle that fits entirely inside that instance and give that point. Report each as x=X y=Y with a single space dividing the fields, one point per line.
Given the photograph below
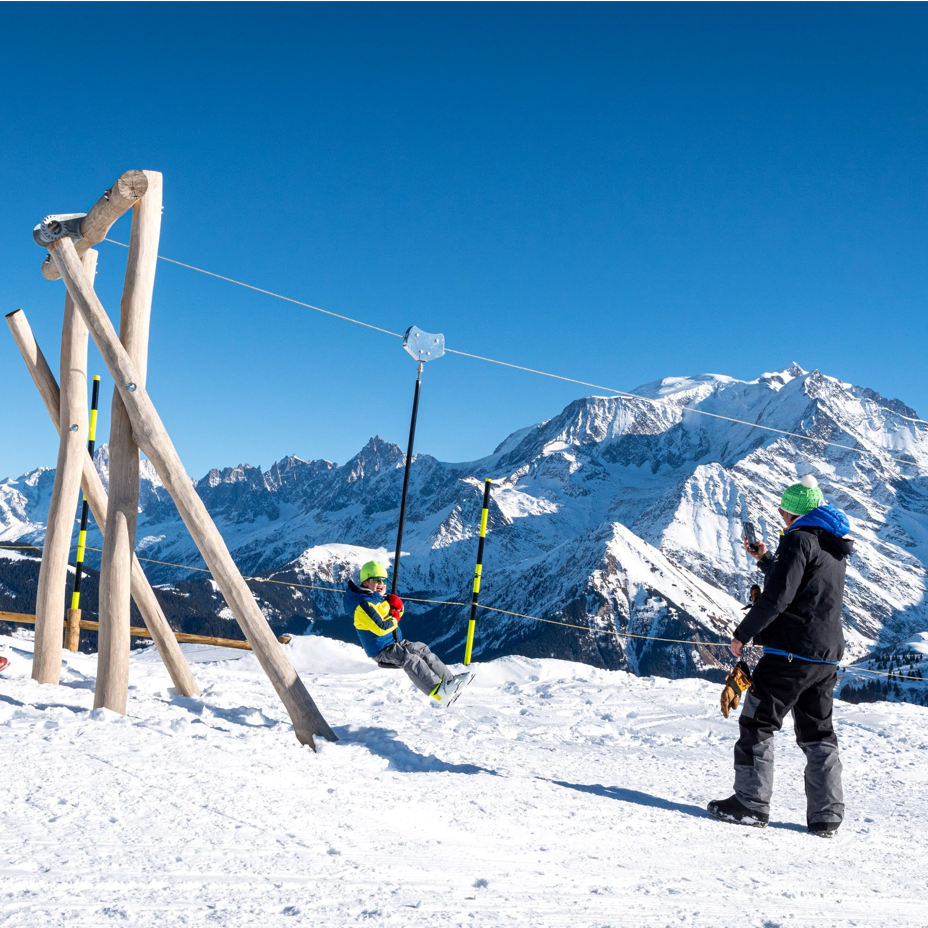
x=736 y=683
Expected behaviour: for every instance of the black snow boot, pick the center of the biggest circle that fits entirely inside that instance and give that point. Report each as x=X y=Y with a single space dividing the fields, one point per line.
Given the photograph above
x=824 y=829
x=734 y=811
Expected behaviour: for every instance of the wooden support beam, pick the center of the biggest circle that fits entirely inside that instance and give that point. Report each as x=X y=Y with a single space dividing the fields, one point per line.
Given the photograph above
x=120 y=198
x=152 y=437
x=18 y=617
x=184 y=638
x=142 y=593
x=72 y=445
x=86 y=624
x=112 y=686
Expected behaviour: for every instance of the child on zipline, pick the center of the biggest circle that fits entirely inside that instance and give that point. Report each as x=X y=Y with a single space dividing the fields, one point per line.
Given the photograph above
x=376 y=618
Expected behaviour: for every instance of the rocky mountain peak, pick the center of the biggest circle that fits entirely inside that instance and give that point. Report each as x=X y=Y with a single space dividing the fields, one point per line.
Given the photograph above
x=241 y=473
x=376 y=456
x=778 y=379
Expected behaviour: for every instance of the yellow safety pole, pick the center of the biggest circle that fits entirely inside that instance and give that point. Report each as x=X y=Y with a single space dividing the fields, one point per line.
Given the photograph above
x=73 y=634
x=471 y=625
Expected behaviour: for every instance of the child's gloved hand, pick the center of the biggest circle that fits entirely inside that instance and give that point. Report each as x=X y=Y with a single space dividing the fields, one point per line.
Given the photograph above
x=396 y=606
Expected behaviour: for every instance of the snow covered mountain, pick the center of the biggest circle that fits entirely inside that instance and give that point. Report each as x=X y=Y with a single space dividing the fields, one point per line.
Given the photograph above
x=621 y=516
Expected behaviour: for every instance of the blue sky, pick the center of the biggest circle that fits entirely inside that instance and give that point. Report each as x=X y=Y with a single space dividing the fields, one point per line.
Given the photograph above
x=614 y=192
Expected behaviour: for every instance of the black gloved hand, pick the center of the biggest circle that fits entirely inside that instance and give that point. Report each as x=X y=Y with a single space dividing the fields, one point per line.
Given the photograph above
x=736 y=683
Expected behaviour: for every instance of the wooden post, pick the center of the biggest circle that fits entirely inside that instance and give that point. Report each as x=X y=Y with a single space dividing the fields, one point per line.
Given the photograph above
x=112 y=687
x=142 y=592
x=120 y=198
x=53 y=572
x=72 y=630
x=151 y=436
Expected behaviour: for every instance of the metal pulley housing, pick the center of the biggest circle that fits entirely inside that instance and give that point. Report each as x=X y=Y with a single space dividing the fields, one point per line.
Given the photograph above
x=62 y=225
x=423 y=346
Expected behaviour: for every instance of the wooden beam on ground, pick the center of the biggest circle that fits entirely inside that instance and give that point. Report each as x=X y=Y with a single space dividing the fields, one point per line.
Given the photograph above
x=142 y=593
x=152 y=437
x=17 y=617
x=120 y=198
x=87 y=625
x=112 y=685
x=72 y=449
x=184 y=638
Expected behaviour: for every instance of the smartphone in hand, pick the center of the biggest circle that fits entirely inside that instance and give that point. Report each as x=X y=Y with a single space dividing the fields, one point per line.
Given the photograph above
x=750 y=535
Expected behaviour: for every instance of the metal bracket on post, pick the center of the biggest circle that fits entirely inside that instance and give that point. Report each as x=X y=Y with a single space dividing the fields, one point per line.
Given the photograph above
x=53 y=228
x=423 y=346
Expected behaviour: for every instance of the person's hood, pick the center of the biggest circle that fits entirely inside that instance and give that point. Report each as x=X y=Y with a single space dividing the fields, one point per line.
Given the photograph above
x=827 y=517
x=355 y=595
x=831 y=520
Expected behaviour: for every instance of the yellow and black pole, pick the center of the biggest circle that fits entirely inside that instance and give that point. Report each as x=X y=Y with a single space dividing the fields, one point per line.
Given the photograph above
x=73 y=639
x=471 y=625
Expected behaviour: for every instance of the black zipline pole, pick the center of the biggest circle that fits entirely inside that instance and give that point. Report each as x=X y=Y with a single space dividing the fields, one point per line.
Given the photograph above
x=74 y=613
x=423 y=346
x=412 y=438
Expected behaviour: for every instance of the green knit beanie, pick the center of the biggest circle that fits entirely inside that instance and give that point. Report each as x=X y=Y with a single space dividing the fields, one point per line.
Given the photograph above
x=802 y=497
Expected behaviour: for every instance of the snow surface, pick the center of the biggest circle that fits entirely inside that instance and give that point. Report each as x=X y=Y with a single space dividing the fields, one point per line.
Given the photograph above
x=551 y=794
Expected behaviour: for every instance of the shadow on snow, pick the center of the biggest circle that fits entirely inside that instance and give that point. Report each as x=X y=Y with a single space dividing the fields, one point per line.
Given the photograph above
x=383 y=743
x=654 y=802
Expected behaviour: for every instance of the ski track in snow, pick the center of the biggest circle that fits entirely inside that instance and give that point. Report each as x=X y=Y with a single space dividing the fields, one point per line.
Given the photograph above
x=551 y=794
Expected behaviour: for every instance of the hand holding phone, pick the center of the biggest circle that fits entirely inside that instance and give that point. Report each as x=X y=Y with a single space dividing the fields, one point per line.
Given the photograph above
x=750 y=535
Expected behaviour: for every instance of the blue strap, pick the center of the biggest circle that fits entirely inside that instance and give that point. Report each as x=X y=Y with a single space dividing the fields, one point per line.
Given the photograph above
x=798 y=657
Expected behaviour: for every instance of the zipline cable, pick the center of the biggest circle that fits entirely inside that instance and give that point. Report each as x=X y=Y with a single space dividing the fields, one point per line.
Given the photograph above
x=278 y=296
x=531 y=370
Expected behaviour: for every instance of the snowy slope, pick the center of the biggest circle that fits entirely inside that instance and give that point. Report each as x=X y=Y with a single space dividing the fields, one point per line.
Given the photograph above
x=552 y=794
x=617 y=514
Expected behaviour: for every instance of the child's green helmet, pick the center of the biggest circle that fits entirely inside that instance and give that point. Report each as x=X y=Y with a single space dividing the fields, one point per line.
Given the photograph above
x=373 y=569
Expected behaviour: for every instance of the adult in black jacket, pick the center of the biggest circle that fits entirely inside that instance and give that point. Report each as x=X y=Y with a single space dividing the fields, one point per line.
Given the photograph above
x=797 y=620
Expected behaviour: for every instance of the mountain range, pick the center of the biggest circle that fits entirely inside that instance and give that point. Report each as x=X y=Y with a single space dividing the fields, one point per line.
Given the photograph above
x=618 y=521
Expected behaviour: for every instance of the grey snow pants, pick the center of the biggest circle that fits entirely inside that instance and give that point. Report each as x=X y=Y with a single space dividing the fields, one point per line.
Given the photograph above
x=807 y=690
x=420 y=664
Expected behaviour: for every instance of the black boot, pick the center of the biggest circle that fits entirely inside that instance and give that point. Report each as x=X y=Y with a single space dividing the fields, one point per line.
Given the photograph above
x=734 y=811
x=824 y=829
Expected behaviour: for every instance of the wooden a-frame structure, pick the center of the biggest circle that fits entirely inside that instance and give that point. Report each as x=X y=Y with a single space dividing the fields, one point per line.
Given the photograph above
x=135 y=425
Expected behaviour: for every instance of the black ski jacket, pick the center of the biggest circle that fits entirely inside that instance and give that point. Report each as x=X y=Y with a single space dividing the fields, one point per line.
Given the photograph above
x=799 y=610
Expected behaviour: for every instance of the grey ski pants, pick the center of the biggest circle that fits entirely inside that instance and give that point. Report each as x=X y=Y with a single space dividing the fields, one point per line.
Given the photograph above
x=806 y=690
x=420 y=664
